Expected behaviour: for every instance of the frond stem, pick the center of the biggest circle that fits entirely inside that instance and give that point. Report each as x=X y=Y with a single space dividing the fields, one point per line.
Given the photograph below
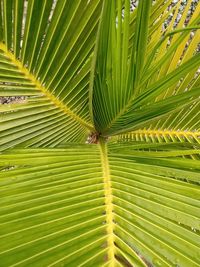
x=186 y=134
x=108 y=202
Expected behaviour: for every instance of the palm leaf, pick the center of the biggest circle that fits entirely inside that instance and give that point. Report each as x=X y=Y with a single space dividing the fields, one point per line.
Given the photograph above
x=120 y=104
x=94 y=72
x=87 y=205
x=52 y=72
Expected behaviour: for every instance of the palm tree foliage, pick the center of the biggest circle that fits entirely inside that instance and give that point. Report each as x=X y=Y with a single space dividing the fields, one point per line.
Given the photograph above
x=94 y=72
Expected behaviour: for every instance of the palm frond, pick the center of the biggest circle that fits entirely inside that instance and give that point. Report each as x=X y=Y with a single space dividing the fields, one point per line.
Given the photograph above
x=54 y=68
x=84 y=205
x=157 y=80
x=55 y=204
x=114 y=72
x=96 y=71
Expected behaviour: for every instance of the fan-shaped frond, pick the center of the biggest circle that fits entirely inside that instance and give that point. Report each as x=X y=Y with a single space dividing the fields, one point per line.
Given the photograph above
x=52 y=207
x=47 y=60
x=158 y=68
x=93 y=205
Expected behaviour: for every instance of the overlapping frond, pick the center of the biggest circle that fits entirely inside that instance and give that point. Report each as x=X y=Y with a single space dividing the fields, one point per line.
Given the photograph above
x=46 y=56
x=132 y=92
x=52 y=208
x=116 y=70
x=153 y=212
x=40 y=119
x=89 y=205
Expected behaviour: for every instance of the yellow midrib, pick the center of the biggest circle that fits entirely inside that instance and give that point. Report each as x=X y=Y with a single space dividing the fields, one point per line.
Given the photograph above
x=167 y=132
x=172 y=133
x=44 y=90
x=108 y=203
